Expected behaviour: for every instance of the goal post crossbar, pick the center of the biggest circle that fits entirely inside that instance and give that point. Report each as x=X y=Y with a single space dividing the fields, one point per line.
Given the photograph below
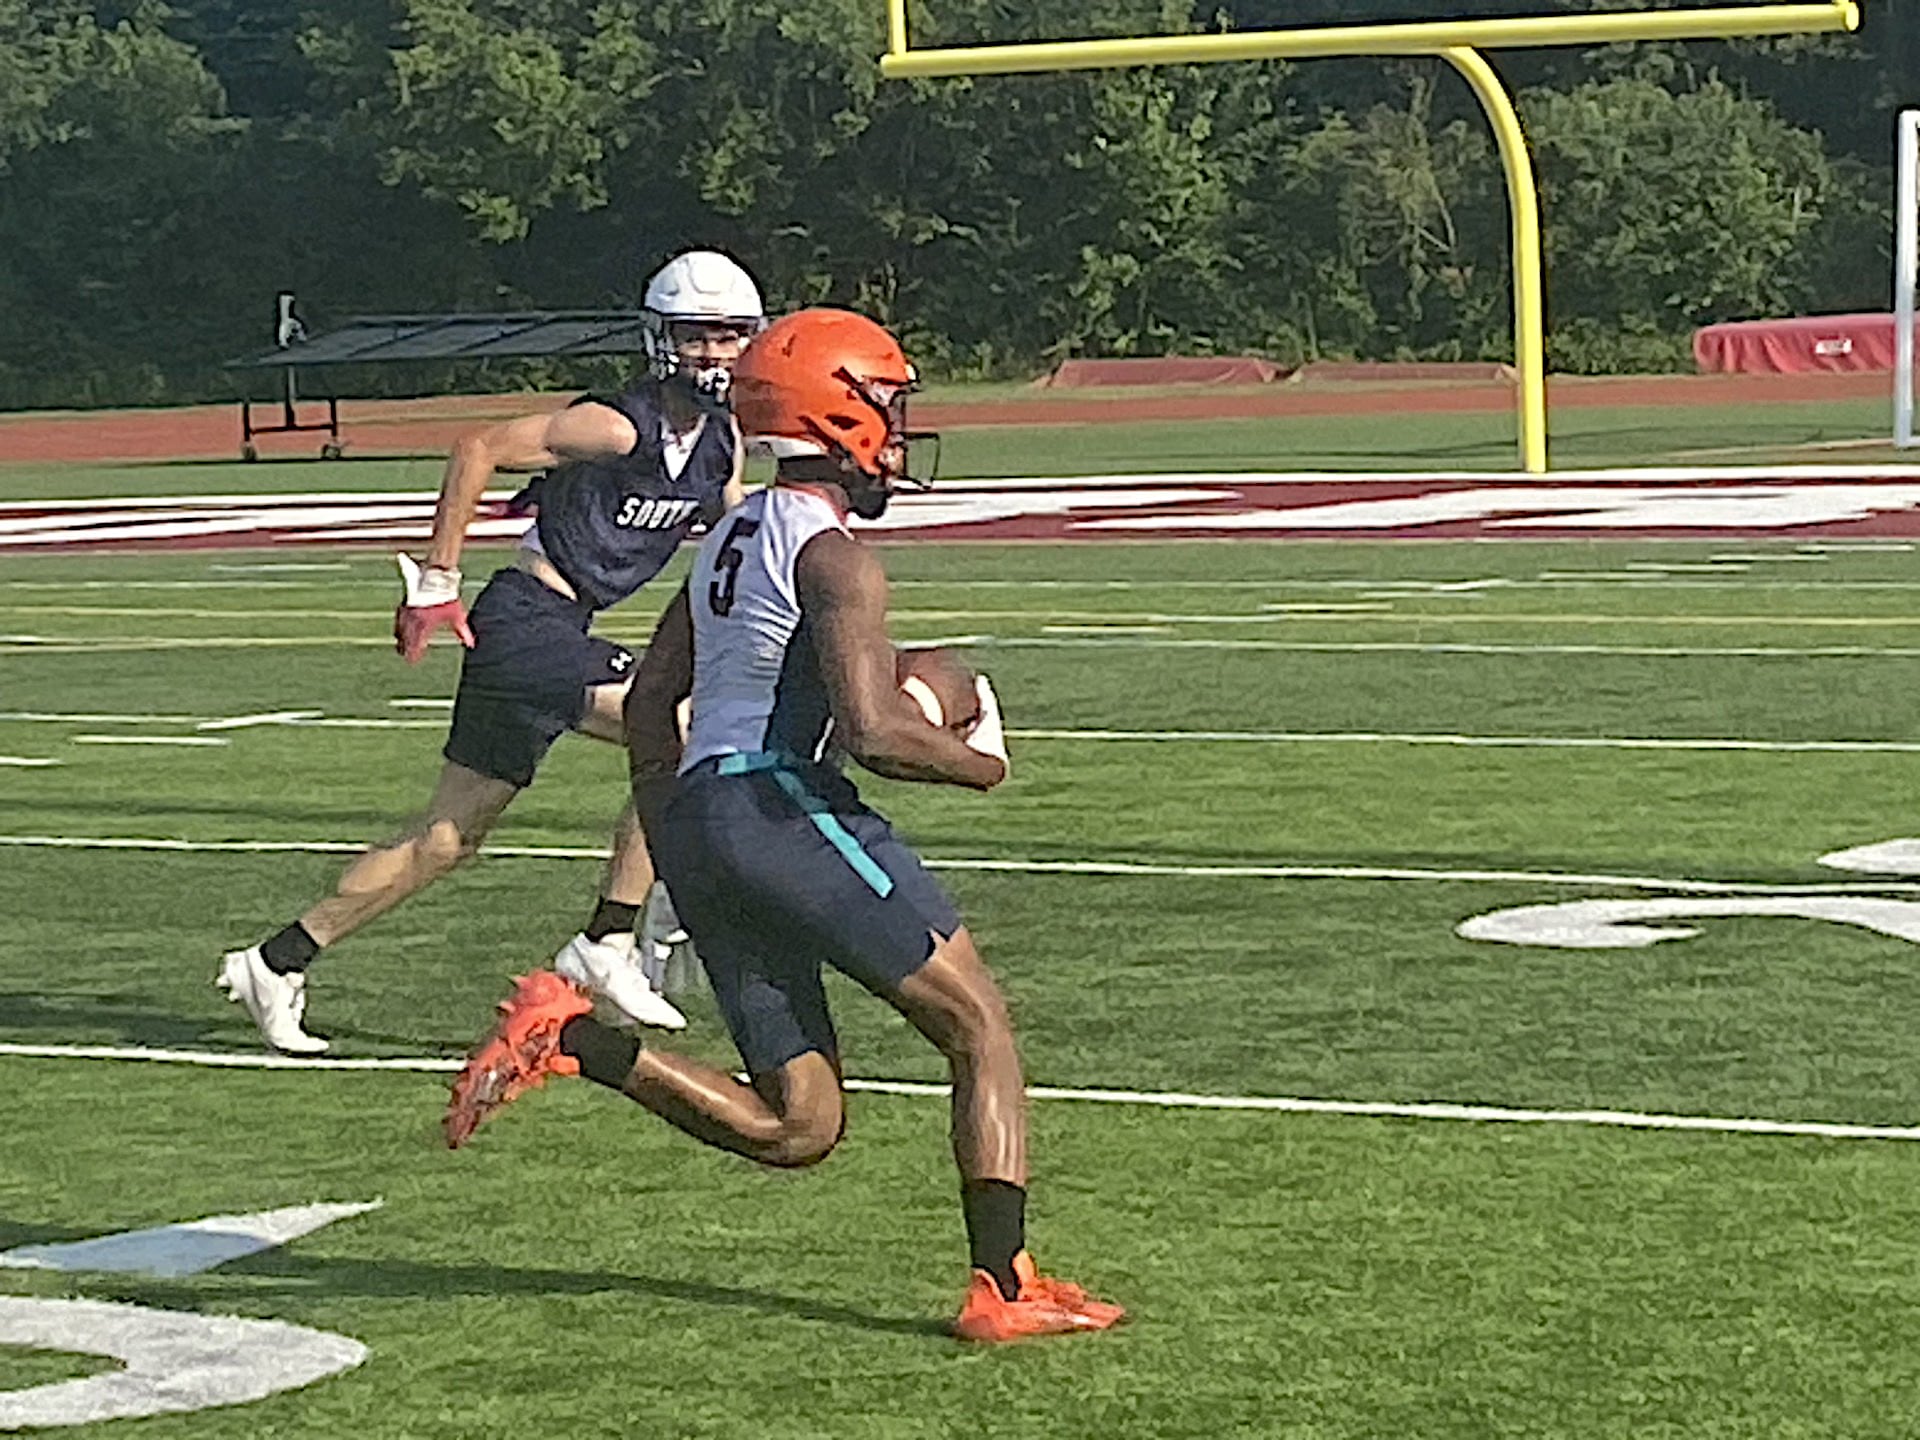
x=1459 y=43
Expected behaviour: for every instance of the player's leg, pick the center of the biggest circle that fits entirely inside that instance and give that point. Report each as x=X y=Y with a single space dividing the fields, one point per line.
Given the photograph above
x=606 y=955
x=789 y=1114
x=462 y=812
x=269 y=978
x=725 y=857
x=910 y=948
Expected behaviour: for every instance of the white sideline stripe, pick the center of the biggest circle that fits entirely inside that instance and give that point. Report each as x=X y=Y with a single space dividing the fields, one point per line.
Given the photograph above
x=27 y=761
x=421 y=704
x=1166 y=1100
x=1022 y=867
x=1541 y=742
x=148 y=740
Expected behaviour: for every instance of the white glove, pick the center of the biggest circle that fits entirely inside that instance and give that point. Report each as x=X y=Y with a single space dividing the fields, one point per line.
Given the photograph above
x=434 y=585
x=989 y=733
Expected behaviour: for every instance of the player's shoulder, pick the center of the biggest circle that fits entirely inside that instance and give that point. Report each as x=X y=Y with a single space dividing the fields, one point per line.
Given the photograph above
x=835 y=567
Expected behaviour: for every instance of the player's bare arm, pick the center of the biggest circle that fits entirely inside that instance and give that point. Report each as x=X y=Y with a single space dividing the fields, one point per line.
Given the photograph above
x=736 y=490
x=843 y=593
x=664 y=679
x=532 y=442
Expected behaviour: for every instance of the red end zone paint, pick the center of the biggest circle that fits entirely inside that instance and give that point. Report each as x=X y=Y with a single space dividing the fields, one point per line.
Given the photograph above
x=1787 y=502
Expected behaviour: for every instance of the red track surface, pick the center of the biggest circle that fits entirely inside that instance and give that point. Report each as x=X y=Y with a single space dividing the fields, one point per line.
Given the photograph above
x=414 y=427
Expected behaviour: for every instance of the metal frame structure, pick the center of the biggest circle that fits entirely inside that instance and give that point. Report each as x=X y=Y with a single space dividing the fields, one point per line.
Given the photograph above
x=1906 y=275
x=395 y=339
x=1459 y=43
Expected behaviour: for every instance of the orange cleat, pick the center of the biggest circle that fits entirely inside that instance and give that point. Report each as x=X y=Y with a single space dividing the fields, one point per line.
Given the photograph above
x=522 y=1051
x=1044 y=1307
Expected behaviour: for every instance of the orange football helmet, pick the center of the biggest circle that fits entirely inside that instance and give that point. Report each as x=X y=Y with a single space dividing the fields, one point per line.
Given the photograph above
x=827 y=382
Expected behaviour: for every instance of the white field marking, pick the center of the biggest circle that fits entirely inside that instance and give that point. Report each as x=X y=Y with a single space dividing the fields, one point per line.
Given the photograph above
x=147 y=740
x=62 y=717
x=1109 y=868
x=1612 y=924
x=421 y=704
x=1518 y=742
x=1382 y=616
x=1864 y=547
x=63 y=585
x=1168 y=1100
x=290 y=567
x=190 y=1247
x=347 y=723
x=1106 y=629
x=174 y=1361
x=75 y=645
x=1883 y=857
x=1654 y=567
x=1416 y=647
x=1545 y=579
x=27 y=762
x=265 y=717
x=134 y=612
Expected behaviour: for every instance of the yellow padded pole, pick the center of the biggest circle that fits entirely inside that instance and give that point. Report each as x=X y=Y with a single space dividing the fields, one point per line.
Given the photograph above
x=1529 y=301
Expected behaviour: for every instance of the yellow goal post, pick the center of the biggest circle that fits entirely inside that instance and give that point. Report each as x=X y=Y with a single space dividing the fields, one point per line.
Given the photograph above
x=1459 y=42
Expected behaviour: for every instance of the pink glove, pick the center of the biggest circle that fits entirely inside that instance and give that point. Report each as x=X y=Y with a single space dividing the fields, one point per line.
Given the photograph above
x=432 y=599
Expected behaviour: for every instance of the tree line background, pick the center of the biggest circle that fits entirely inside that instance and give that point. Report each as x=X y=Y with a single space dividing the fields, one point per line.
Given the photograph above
x=165 y=169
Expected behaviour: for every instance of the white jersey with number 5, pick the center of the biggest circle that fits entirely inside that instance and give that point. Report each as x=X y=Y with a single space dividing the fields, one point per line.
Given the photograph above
x=757 y=687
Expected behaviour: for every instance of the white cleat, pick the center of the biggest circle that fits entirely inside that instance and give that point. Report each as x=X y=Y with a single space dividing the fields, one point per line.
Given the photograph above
x=277 y=1003
x=610 y=968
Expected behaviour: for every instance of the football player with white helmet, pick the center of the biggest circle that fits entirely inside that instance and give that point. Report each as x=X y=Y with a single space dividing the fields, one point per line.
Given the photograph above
x=626 y=478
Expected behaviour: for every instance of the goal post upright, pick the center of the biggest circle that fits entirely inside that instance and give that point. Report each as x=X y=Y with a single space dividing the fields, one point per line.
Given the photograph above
x=1459 y=42
x=1906 y=274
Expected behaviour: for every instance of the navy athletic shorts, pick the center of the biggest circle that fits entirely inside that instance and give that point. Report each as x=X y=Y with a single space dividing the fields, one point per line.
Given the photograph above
x=779 y=871
x=524 y=683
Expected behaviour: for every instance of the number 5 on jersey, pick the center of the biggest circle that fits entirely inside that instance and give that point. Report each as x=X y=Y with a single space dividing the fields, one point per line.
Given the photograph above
x=727 y=563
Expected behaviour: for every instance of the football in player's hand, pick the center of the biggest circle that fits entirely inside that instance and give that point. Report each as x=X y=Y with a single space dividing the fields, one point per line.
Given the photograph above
x=941 y=684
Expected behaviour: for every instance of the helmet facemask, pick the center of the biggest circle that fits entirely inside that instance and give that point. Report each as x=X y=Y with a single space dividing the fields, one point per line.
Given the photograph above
x=705 y=380
x=870 y=488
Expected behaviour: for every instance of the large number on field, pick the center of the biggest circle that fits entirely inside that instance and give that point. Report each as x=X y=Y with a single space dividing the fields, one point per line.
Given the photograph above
x=727 y=565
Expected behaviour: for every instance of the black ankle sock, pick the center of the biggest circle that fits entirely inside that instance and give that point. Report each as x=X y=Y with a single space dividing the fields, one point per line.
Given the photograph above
x=606 y=1055
x=610 y=917
x=292 y=949
x=996 y=1228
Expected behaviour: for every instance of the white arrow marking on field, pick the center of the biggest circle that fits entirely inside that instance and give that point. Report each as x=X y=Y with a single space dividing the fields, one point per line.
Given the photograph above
x=187 y=1248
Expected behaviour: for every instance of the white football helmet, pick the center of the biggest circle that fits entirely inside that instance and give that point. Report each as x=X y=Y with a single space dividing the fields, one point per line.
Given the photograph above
x=698 y=286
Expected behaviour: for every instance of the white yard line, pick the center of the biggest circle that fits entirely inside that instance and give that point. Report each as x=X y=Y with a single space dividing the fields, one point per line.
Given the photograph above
x=188 y=740
x=1111 y=868
x=27 y=762
x=1165 y=1100
x=1516 y=742
x=66 y=717
x=74 y=645
x=1120 y=638
x=317 y=720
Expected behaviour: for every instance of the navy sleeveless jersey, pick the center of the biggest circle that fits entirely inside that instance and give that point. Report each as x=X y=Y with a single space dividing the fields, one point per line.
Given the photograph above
x=609 y=525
